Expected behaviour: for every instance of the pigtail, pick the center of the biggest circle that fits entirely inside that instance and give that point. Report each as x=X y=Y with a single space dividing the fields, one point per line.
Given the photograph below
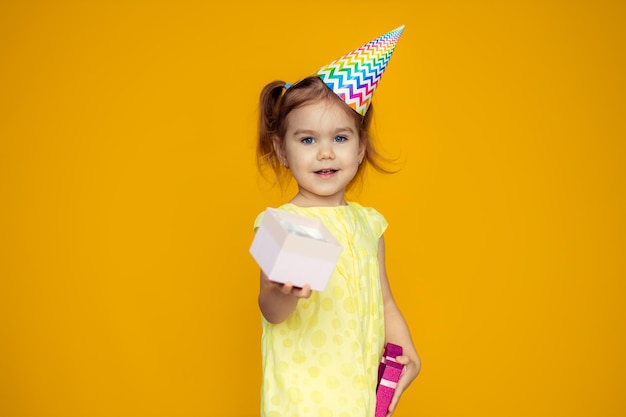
x=268 y=124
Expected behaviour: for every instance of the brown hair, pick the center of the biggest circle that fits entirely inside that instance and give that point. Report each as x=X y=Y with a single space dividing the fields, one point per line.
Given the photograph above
x=275 y=105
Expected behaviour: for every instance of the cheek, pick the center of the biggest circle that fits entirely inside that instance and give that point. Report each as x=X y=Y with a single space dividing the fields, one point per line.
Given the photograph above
x=353 y=153
x=296 y=158
x=289 y=153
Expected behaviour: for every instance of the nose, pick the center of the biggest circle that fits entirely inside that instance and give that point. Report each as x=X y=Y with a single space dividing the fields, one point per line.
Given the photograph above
x=325 y=151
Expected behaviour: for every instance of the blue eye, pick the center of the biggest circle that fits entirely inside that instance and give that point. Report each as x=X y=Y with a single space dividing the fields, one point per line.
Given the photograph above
x=340 y=138
x=308 y=141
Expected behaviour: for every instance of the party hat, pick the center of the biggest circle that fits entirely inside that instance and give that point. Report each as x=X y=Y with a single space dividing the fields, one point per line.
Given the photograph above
x=355 y=76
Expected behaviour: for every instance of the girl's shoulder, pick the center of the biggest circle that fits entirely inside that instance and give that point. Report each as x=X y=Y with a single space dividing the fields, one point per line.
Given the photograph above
x=372 y=217
x=366 y=210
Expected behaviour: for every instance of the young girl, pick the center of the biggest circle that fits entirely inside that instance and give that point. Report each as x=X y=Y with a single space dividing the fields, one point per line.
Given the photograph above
x=321 y=350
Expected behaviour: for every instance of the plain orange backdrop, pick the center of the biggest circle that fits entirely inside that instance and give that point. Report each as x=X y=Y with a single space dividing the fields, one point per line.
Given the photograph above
x=128 y=188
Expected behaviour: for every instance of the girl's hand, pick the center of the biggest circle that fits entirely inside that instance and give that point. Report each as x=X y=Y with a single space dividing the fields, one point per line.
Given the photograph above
x=408 y=375
x=277 y=301
x=288 y=288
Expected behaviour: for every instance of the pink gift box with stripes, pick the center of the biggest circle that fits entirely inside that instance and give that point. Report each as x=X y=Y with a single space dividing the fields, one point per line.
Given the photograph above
x=389 y=372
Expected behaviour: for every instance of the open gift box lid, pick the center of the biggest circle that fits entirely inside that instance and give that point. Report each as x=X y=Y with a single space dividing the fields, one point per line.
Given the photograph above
x=299 y=249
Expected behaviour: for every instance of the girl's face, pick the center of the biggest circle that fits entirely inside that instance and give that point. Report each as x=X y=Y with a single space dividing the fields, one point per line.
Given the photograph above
x=323 y=151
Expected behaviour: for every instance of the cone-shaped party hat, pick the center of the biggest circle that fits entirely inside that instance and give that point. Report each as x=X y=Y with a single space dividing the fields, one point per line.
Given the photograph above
x=355 y=76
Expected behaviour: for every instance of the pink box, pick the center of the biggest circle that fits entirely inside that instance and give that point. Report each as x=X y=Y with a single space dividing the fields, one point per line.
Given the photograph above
x=290 y=247
x=389 y=372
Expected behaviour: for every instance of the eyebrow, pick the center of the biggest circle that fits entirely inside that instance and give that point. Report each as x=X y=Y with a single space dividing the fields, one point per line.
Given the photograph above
x=312 y=132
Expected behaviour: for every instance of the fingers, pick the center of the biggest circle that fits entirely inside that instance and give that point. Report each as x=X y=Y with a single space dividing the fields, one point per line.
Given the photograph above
x=304 y=292
x=392 y=406
x=404 y=360
x=402 y=384
x=395 y=399
x=288 y=288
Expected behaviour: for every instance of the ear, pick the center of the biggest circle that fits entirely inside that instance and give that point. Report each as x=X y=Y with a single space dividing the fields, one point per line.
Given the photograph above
x=362 y=150
x=279 y=150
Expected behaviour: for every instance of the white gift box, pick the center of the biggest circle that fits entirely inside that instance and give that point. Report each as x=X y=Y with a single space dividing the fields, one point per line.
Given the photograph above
x=299 y=249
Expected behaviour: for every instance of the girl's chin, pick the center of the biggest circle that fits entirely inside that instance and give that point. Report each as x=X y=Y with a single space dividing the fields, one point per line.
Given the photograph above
x=311 y=199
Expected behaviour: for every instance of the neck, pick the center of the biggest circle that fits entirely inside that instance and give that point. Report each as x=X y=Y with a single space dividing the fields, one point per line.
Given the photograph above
x=303 y=200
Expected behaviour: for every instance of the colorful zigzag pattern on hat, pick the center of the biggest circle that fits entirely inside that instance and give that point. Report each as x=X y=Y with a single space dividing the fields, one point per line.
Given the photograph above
x=355 y=76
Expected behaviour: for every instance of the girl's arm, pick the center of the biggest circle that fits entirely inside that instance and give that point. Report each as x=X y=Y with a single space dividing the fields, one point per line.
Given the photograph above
x=278 y=301
x=397 y=332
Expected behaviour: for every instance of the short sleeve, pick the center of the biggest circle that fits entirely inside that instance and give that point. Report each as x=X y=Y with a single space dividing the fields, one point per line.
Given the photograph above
x=258 y=219
x=377 y=221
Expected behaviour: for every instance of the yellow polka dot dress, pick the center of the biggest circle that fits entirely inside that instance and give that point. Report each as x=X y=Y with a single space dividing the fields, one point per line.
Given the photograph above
x=323 y=360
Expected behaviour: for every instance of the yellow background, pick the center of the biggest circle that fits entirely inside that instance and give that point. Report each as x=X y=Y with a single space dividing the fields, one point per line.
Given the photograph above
x=128 y=188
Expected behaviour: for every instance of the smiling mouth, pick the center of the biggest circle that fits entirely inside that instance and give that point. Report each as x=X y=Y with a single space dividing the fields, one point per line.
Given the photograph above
x=326 y=171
